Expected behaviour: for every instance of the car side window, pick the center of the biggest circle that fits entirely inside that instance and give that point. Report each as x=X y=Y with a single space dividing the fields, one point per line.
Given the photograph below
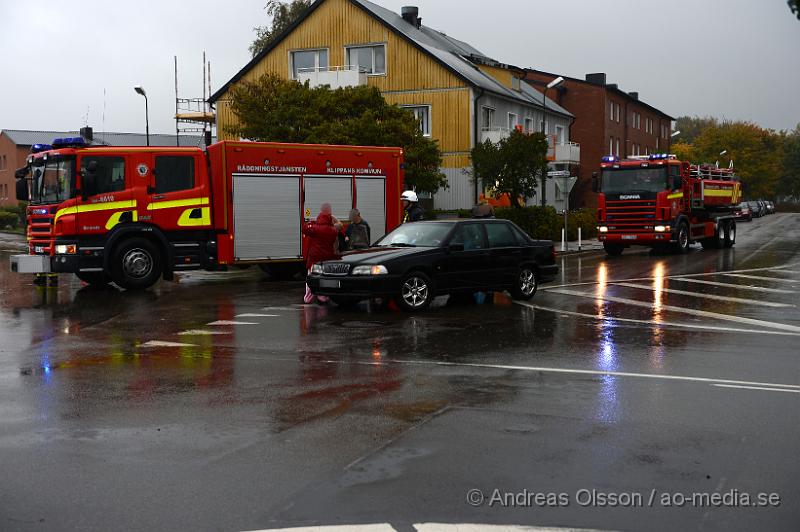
x=110 y=173
x=500 y=236
x=522 y=238
x=174 y=173
x=470 y=235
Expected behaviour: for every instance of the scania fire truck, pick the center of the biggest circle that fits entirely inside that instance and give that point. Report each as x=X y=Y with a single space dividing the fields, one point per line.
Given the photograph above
x=657 y=200
x=132 y=215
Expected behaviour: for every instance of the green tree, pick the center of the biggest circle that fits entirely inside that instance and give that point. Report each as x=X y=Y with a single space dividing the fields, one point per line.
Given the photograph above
x=273 y=109
x=789 y=184
x=512 y=166
x=691 y=127
x=282 y=17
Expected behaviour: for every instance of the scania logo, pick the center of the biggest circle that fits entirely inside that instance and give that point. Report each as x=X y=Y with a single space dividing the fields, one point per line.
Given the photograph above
x=630 y=196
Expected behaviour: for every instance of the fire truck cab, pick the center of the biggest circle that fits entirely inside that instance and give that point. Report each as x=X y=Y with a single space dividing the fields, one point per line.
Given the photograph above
x=132 y=215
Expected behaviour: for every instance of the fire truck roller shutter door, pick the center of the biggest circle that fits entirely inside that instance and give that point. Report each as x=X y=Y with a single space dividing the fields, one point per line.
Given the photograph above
x=266 y=220
x=334 y=190
x=371 y=198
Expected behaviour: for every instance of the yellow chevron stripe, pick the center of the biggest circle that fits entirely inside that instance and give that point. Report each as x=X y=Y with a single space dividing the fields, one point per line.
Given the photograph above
x=205 y=218
x=114 y=219
x=675 y=196
x=719 y=193
x=193 y=202
x=94 y=207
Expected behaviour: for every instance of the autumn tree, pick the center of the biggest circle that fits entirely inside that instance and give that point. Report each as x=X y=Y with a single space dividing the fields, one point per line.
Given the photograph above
x=274 y=109
x=789 y=184
x=512 y=166
x=691 y=127
x=283 y=15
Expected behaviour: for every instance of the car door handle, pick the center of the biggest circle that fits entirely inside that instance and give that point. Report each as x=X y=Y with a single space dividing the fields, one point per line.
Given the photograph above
x=160 y=196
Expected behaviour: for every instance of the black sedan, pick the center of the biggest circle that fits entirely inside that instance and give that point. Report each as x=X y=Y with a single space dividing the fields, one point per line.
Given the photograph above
x=418 y=261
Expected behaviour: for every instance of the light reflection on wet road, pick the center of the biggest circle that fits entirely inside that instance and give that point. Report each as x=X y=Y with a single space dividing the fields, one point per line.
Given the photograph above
x=223 y=384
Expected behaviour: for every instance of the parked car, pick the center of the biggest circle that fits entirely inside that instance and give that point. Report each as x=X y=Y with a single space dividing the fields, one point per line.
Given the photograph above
x=756 y=209
x=418 y=261
x=770 y=207
x=743 y=212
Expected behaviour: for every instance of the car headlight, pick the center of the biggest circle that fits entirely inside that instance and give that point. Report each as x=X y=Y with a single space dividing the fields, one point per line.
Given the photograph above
x=378 y=269
x=661 y=228
x=603 y=229
x=317 y=268
x=66 y=249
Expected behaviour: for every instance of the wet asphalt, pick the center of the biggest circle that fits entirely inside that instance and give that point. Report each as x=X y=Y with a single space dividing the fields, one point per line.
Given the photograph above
x=219 y=402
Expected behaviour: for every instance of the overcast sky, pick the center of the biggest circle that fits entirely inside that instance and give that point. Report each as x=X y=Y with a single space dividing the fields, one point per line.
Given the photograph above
x=735 y=59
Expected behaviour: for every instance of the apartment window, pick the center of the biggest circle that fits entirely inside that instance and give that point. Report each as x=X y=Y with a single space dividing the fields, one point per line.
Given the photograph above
x=611 y=146
x=529 y=125
x=2 y=162
x=487 y=117
x=423 y=115
x=560 y=134
x=369 y=59
x=307 y=60
x=512 y=121
x=616 y=152
x=611 y=110
x=616 y=111
x=515 y=83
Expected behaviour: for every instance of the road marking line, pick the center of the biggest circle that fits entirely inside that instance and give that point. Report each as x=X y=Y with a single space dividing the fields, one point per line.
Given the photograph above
x=755 y=388
x=663 y=324
x=536 y=369
x=158 y=343
x=758 y=278
x=228 y=322
x=708 y=296
x=282 y=308
x=694 y=312
x=475 y=527
x=202 y=332
x=735 y=286
x=378 y=527
x=257 y=316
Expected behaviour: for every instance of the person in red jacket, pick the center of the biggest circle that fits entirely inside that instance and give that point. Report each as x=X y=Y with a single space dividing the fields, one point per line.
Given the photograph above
x=322 y=236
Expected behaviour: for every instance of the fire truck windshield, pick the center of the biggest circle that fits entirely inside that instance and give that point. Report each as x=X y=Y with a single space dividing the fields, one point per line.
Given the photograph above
x=53 y=180
x=636 y=179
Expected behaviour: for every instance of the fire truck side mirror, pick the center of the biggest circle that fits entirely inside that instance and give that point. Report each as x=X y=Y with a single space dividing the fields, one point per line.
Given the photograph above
x=22 y=189
x=595 y=183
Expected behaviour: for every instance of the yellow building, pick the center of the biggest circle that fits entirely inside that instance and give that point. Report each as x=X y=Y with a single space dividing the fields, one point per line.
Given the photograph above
x=459 y=95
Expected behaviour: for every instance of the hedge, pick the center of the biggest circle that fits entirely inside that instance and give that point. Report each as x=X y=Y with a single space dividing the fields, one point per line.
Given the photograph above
x=8 y=219
x=546 y=223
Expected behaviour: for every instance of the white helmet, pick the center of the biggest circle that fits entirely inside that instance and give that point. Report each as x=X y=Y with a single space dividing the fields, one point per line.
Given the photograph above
x=409 y=195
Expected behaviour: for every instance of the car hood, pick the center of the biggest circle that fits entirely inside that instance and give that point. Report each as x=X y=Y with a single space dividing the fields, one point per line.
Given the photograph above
x=381 y=255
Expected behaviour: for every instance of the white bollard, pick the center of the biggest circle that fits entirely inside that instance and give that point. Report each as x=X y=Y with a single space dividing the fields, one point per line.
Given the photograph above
x=563 y=241
x=579 y=238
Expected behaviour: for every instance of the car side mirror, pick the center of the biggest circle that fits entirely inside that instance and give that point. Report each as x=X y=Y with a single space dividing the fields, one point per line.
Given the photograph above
x=595 y=183
x=452 y=248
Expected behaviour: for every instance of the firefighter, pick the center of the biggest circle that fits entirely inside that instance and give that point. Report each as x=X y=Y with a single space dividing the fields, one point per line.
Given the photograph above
x=413 y=212
x=322 y=236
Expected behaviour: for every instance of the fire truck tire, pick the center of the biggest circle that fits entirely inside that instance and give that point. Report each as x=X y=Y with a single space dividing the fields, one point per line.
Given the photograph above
x=730 y=234
x=136 y=264
x=614 y=250
x=93 y=278
x=682 y=245
x=716 y=241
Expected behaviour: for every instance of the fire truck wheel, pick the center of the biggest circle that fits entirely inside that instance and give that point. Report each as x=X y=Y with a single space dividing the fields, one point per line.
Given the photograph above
x=682 y=245
x=93 y=278
x=730 y=234
x=614 y=250
x=136 y=264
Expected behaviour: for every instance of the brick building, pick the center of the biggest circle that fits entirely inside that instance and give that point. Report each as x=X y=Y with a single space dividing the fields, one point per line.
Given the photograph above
x=15 y=146
x=607 y=121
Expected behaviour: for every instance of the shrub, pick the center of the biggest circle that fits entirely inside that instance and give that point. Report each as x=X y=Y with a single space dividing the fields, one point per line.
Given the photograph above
x=546 y=223
x=8 y=219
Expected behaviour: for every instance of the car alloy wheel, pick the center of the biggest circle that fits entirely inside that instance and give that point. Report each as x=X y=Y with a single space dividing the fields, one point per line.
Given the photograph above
x=415 y=292
x=527 y=282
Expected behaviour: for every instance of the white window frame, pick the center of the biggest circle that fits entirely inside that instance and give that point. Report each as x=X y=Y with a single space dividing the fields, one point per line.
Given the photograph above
x=561 y=134
x=425 y=125
x=617 y=150
x=372 y=46
x=616 y=111
x=490 y=113
x=515 y=120
x=611 y=145
x=529 y=124
x=316 y=58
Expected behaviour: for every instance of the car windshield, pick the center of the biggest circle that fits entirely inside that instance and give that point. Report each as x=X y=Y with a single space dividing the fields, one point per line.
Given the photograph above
x=53 y=179
x=622 y=180
x=418 y=234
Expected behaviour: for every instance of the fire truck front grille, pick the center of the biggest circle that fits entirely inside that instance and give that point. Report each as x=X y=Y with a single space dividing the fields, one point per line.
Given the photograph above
x=336 y=268
x=630 y=215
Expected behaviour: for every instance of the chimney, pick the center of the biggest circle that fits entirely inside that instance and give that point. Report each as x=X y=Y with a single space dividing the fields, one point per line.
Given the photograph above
x=411 y=15
x=598 y=78
x=87 y=133
x=634 y=95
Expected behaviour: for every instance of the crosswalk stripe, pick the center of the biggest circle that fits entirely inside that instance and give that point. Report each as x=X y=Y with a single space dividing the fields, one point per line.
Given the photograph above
x=759 y=278
x=756 y=388
x=158 y=343
x=693 y=312
x=734 y=286
x=229 y=322
x=708 y=296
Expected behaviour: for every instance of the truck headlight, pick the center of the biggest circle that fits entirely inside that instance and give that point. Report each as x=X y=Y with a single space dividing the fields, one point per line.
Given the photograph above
x=378 y=269
x=661 y=228
x=317 y=268
x=66 y=249
x=603 y=229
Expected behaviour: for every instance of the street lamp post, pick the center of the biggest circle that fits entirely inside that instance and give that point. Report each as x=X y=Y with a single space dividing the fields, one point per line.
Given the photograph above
x=140 y=90
x=555 y=83
x=669 y=140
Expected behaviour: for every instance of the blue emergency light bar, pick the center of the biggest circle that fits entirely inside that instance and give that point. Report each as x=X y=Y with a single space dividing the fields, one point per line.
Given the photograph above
x=69 y=142
x=609 y=159
x=36 y=148
x=658 y=156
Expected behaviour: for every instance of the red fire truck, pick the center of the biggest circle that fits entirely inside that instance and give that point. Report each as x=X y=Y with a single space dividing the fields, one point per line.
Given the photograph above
x=657 y=200
x=132 y=215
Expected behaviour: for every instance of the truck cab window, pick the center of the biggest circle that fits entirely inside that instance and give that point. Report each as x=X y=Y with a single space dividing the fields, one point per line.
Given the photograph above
x=110 y=173
x=174 y=173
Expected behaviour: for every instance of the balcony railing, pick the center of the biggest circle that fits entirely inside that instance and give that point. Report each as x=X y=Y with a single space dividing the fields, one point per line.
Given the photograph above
x=336 y=77
x=557 y=151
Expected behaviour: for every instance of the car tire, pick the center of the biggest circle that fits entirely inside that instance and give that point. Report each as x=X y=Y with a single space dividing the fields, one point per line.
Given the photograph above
x=526 y=284
x=682 y=244
x=730 y=234
x=136 y=264
x=416 y=292
x=93 y=278
x=613 y=250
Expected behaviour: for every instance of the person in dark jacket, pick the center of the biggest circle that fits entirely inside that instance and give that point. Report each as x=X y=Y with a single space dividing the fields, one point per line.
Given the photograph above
x=322 y=236
x=413 y=212
x=357 y=235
